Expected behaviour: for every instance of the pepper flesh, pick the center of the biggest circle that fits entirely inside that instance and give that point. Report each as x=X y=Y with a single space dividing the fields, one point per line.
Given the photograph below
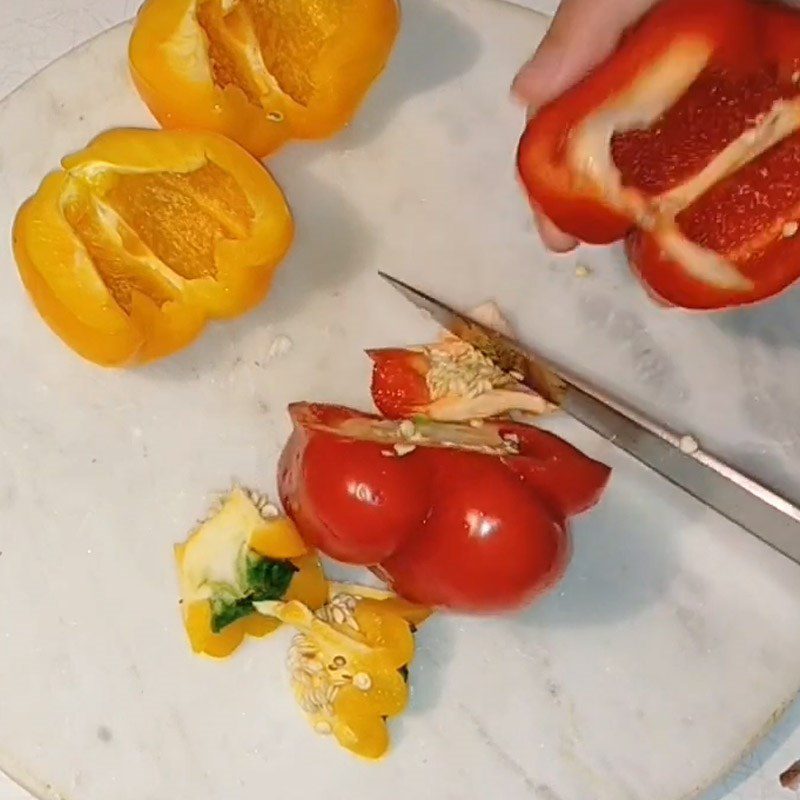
x=143 y=236
x=260 y=71
x=686 y=141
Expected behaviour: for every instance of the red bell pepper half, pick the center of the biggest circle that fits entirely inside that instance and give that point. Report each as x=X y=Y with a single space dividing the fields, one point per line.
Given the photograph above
x=685 y=141
x=453 y=516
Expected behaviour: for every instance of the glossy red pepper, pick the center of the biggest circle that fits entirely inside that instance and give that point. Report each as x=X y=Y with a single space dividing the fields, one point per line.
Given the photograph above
x=685 y=141
x=471 y=519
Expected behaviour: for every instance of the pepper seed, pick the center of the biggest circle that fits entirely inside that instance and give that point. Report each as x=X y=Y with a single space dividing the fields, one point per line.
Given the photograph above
x=362 y=681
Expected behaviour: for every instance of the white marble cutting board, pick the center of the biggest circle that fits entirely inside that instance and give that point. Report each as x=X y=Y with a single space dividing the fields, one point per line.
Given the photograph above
x=668 y=650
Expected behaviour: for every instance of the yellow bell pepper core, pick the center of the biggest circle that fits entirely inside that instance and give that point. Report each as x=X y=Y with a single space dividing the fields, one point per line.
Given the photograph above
x=242 y=553
x=349 y=665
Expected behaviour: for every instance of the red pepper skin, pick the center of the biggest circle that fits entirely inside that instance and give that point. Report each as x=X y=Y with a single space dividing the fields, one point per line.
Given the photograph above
x=350 y=500
x=567 y=480
x=449 y=528
x=490 y=543
x=751 y=68
x=398 y=387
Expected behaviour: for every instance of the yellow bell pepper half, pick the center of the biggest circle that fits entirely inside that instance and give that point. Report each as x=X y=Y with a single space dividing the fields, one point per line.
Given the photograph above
x=143 y=236
x=260 y=71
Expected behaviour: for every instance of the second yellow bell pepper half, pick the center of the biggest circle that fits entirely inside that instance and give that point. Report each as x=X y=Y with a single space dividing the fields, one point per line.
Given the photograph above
x=260 y=71
x=143 y=236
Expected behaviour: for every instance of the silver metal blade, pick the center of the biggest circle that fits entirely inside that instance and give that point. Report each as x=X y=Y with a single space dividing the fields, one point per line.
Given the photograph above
x=764 y=513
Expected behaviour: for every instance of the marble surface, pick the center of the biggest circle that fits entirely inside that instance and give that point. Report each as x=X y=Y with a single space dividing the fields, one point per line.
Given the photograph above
x=639 y=606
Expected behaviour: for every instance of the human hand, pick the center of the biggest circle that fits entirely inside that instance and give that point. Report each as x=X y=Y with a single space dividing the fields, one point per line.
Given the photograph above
x=582 y=34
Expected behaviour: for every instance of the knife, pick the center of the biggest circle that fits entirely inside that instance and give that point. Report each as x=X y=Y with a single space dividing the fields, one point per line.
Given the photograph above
x=678 y=458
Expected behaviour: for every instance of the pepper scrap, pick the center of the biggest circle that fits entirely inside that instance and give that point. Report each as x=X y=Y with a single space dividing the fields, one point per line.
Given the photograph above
x=143 y=236
x=349 y=663
x=243 y=553
x=260 y=71
x=685 y=140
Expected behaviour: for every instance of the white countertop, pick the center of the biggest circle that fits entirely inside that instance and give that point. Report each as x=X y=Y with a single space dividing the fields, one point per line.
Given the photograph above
x=32 y=34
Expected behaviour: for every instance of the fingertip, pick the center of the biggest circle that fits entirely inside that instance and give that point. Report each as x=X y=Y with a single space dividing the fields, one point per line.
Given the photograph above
x=518 y=97
x=580 y=36
x=534 y=83
x=553 y=238
x=561 y=244
x=523 y=87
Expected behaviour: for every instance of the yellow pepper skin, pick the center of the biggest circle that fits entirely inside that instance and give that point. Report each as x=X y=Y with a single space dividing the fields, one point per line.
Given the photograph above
x=144 y=236
x=349 y=663
x=260 y=71
x=204 y=641
x=243 y=524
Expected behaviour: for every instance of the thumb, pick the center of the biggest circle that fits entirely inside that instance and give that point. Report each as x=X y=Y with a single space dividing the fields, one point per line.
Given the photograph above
x=582 y=34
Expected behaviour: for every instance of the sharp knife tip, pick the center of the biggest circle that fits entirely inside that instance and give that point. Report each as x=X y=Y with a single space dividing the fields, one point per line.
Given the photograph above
x=390 y=279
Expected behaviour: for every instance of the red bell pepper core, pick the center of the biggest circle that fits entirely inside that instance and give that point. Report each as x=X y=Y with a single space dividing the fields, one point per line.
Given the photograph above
x=686 y=141
x=400 y=387
x=467 y=519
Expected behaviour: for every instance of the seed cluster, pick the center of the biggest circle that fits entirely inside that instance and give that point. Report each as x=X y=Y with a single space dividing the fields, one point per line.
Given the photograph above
x=262 y=503
x=316 y=684
x=340 y=610
x=459 y=369
x=267 y=509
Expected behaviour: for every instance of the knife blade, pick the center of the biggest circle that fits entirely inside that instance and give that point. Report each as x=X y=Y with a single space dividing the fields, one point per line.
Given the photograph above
x=770 y=517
